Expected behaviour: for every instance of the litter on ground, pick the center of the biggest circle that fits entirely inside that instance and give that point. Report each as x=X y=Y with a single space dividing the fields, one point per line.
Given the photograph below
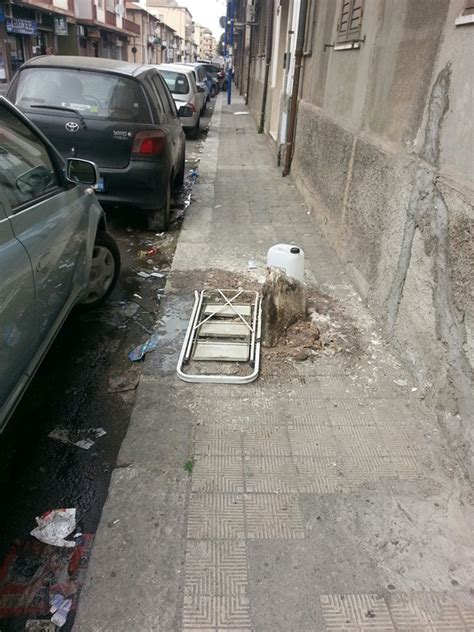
x=85 y=443
x=54 y=526
x=39 y=625
x=139 y=351
x=60 y=609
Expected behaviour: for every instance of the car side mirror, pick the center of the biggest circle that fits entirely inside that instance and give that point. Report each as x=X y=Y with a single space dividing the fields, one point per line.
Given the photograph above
x=82 y=171
x=185 y=111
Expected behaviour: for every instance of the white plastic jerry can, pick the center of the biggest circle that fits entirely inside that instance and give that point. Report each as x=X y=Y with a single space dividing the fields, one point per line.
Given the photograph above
x=289 y=258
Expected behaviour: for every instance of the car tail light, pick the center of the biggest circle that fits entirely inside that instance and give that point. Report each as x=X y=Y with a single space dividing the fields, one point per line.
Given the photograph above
x=192 y=106
x=149 y=143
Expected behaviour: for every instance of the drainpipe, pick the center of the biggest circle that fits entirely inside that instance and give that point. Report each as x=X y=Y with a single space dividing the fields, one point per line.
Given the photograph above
x=268 y=61
x=296 y=87
x=247 y=93
x=242 y=53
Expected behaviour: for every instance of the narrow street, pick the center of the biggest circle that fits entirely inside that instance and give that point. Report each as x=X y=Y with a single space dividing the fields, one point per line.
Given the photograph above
x=86 y=382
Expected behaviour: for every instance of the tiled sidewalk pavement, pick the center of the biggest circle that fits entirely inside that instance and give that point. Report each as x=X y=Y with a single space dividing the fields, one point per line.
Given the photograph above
x=323 y=496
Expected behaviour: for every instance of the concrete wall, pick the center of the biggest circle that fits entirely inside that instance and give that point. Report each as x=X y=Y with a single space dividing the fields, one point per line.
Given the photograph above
x=384 y=155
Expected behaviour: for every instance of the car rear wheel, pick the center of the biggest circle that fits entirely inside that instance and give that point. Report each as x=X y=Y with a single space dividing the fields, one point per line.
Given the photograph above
x=193 y=133
x=158 y=219
x=105 y=270
x=179 y=180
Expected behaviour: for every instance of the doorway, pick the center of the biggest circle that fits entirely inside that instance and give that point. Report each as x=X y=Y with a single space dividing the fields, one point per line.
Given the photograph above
x=279 y=64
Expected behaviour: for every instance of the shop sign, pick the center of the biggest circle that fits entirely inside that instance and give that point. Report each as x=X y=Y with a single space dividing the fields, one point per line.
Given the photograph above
x=21 y=26
x=93 y=33
x=60 y=26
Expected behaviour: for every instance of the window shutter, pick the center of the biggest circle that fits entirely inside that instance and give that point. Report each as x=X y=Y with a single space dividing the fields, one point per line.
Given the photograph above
x=350 y=20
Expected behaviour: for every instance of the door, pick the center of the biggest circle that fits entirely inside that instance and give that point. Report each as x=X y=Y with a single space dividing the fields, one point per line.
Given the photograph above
x=47 y=218
x=279 y=68
x=17 y=310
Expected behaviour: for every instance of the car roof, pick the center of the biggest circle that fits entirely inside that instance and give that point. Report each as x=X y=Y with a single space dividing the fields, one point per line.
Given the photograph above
x=86 y=63
x=193 y=64
x=175 y=67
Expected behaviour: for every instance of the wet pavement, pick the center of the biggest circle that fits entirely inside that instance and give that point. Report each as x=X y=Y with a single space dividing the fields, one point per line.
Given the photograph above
x=86 y=382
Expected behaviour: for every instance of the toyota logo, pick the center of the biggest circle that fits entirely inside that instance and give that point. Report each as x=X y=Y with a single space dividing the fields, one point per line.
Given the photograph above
x=71 y=126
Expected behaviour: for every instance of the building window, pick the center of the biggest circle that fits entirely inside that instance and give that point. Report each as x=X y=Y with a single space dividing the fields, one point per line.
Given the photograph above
x=350 y=22
x=309 y=27
x=467 y=16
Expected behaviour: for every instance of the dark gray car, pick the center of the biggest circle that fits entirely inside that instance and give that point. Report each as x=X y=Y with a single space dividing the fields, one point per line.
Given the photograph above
x=118 y=114
x=55 y=251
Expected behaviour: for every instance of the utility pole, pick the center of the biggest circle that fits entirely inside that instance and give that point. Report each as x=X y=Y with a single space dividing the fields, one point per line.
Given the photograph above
x=230 y=50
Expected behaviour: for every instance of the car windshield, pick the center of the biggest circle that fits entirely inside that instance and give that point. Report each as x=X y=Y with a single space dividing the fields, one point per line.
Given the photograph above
x=213 y=70
x=93 y=94
x=176 y=81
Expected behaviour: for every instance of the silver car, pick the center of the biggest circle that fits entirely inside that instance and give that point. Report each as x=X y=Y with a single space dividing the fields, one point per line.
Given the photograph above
x=54 y=249
x=182 y=84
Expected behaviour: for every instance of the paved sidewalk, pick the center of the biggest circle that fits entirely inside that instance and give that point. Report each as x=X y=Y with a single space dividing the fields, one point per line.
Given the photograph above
x=323 y=496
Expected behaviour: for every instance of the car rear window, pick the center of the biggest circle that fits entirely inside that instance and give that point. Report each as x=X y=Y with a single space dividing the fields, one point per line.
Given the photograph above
x=176 y=81
x=94 y=94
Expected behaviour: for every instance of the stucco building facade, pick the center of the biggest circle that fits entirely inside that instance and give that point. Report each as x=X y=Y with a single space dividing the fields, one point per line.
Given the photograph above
x=383 y=154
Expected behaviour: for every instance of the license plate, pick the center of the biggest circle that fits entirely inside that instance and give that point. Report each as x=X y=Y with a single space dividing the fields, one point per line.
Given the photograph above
x=100 y=186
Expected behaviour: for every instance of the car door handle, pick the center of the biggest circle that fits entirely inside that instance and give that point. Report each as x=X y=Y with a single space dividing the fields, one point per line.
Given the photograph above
x=43 y=260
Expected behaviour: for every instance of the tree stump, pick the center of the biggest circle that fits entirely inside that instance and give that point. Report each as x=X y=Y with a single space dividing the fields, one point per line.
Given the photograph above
x=283 y=303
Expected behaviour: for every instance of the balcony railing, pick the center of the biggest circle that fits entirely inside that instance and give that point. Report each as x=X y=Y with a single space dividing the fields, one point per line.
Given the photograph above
x=130 y=26
x=110 y=18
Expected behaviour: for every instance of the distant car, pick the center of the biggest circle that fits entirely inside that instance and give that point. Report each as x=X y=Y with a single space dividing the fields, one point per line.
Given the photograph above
x=118 y=114
x=55 y=251
x=182 y=85
x=202 y=82
x=214 y=84
x=217 y=72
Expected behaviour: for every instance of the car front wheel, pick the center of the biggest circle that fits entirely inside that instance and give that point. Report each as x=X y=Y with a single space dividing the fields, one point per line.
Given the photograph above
x=105 y=270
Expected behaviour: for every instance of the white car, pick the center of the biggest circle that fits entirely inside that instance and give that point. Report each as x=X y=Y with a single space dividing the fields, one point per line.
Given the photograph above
x=182 y=85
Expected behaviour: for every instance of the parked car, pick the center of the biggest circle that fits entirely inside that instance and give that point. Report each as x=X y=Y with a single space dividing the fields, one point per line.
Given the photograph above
x=55 y=251
x=217 y=72
x=202 y=81
x=214 y=84
x=182 y=85
x=118 y=114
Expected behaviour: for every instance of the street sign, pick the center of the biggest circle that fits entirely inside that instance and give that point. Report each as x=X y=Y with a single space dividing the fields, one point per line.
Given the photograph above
x=21 y=26
x=60 y=26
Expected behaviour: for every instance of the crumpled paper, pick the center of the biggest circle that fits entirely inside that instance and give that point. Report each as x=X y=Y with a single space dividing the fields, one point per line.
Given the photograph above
x=54 y=526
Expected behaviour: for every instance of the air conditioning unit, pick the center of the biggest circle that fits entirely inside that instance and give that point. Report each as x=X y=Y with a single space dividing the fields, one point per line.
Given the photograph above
x=250 y=14
x=7 y=10
x=38 y=17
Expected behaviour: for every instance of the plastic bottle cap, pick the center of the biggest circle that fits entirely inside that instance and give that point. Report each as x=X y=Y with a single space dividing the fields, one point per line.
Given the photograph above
x=295 y=250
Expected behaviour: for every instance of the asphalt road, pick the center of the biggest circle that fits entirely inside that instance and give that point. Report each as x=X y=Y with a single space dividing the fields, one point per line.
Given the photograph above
x=86 y=382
